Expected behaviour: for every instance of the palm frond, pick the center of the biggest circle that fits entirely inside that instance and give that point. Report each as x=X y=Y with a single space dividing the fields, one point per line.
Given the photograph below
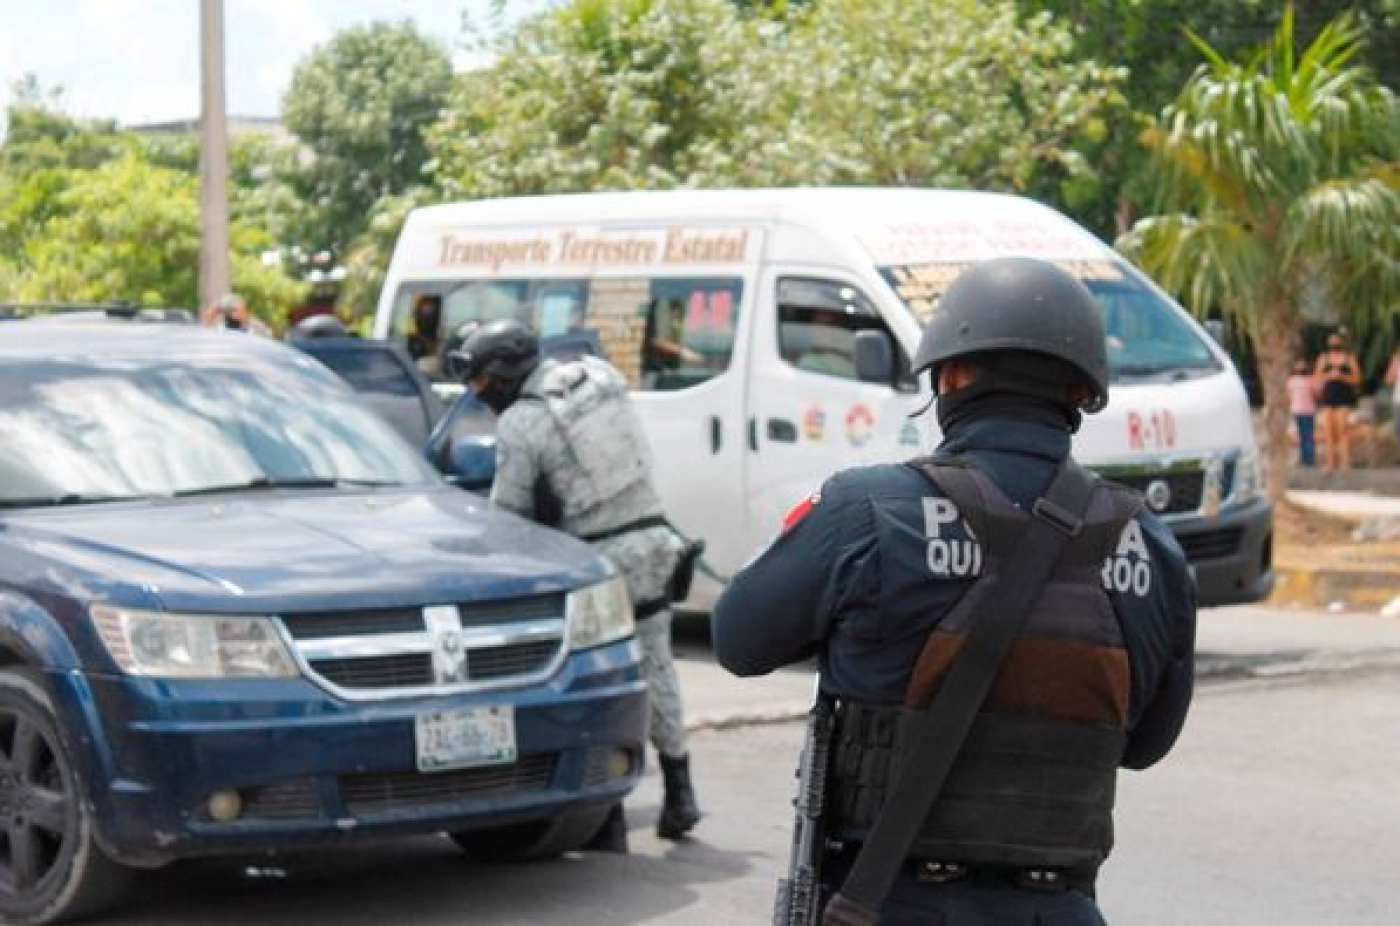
x=1206 y=262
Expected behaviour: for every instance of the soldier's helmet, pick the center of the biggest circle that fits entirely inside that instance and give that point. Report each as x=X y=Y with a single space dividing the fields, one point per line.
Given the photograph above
x=504 y=349
x=1020 y=309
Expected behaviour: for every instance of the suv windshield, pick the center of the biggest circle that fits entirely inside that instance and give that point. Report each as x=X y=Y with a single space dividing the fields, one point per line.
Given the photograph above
x=1147 y=335
x=104 y=429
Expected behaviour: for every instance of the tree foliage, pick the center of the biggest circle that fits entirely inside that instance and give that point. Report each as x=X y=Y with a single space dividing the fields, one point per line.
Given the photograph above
x=130 y=230
x=1279 y=179
x=1147 y=37
x=359 y=105
x=623 y=94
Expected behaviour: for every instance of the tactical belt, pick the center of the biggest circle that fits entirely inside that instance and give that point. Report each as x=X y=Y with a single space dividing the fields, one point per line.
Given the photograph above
x=639 y=525
x=649 y=608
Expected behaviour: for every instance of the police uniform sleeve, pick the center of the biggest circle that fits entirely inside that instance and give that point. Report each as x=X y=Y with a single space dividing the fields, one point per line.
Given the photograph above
x=517 y=462
x=776 y=611
x=1160 y=633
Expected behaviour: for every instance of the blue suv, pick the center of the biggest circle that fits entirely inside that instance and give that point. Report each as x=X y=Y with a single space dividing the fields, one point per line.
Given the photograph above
x=239 y=613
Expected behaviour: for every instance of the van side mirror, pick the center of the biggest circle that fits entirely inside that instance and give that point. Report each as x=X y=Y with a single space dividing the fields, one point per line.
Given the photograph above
x=472 y=462
x=874 y=357
x=1216 y=327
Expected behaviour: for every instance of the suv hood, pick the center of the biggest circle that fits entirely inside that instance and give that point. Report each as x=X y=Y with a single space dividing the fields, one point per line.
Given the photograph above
x=299 y=550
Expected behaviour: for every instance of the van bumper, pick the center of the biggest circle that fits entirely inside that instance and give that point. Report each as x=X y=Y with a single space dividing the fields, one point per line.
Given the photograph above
x=1231 y=554
x=311 y=769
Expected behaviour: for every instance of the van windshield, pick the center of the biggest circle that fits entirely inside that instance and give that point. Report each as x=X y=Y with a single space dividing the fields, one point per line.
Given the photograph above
x=1147 y=335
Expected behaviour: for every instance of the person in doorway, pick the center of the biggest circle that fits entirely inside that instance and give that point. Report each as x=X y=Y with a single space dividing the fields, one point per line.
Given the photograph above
x=571 y=455
x=422 y=341
x=1302 y=404
x=1339 y=382
x=879 y=574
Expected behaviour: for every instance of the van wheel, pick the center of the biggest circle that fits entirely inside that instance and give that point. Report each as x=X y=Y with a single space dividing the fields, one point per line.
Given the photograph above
x=50 y=867
x=532 y=841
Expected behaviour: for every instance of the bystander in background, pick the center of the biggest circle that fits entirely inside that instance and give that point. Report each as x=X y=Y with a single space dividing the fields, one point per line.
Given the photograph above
x=1339 y=376
x=1302 y=403
x=232 y=312
x=1392 y=379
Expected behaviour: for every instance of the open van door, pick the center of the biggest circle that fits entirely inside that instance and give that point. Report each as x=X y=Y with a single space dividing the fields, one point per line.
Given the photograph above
x=820 y=398
x=690 y=397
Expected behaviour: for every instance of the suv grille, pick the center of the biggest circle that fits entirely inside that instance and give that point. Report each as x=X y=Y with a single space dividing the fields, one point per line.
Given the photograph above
x=434 y=649
x=371 y=792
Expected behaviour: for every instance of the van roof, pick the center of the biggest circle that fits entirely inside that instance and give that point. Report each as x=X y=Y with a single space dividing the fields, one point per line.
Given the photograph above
x=893 y=223
x=758 y=203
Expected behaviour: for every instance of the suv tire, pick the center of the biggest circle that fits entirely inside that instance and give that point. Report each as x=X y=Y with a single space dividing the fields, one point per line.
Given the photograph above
x=51 y=868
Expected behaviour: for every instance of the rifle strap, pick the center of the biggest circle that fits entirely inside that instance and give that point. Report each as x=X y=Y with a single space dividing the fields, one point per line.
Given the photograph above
x=994 y=624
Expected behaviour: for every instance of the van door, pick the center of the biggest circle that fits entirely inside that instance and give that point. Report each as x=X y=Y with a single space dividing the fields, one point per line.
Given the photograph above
x=689 y=379
x=809 y=413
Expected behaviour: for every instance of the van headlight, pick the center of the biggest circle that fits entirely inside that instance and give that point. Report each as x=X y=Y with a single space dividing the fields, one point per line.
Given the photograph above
x=164 y=645
x=599 y=614
x=1249 y=478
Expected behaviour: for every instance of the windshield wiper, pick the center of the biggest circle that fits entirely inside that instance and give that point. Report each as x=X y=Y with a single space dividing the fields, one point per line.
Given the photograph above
x=265 y=482
x=69 y=498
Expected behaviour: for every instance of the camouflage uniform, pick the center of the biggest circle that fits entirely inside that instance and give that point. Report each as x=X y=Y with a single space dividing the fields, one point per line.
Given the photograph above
x=572 y=438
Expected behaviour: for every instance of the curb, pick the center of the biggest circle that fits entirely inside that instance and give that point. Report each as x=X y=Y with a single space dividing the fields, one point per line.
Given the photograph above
x=1359 y=588
x=1210 y=667
x=720 y=720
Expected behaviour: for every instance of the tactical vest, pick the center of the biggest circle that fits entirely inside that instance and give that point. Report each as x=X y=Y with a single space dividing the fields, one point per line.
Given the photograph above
x=1033 y=786
x=587 y=399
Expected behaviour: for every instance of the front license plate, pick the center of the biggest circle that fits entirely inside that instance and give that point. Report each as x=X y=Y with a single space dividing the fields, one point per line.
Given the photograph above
x=465 y=738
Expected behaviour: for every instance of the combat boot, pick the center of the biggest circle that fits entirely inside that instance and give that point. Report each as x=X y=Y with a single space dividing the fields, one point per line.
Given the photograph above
x=679 y=812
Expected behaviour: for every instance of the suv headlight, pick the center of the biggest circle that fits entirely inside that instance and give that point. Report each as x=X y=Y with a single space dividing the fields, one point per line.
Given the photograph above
x=1249 y=478
x=599 y=614
x=164 y=645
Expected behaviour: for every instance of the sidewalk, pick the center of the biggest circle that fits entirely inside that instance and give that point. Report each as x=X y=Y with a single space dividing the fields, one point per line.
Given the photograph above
x=1232 y=643
x=1352 y=561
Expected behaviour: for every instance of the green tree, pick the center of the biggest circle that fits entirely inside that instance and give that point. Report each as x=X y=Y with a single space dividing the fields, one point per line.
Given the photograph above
x=130 y=230
x=622 y=94
x=1279 y=179
x=359 y=105
x=40 y=136
x=1145 y=37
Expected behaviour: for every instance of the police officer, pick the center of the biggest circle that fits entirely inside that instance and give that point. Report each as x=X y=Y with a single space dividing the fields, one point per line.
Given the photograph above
x=871 y=568
x=570 y=454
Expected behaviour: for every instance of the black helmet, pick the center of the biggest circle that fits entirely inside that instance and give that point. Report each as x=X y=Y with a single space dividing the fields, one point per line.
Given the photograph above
x=1020 y=305
x=505 y=350
x=320 y=325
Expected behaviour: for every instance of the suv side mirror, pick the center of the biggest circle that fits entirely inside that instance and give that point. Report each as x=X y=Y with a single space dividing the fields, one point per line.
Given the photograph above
x=472 y=462
x=1216 y=327
x=874 y=357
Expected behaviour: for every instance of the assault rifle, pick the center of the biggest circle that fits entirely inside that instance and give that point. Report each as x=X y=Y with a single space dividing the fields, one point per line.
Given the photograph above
x=798 y=902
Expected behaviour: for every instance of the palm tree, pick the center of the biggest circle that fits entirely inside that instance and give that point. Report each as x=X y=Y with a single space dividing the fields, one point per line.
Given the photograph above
x=1279 y=181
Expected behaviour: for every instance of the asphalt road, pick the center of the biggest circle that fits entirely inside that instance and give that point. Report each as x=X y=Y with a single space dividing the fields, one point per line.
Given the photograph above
x=1278 y=807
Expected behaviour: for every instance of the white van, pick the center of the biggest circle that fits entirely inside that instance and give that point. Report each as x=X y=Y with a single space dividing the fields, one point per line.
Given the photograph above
x=737 y=315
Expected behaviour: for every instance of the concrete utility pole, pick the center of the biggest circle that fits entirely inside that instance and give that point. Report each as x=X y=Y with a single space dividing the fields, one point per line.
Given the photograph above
x=213 y=157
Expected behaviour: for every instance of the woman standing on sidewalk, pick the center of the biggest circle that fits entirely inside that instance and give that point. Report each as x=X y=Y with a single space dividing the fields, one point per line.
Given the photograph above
x=1340 y=376
x=1392 y=379
x=1302 y=403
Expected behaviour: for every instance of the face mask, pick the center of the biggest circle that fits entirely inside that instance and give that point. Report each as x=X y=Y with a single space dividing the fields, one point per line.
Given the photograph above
x=497 y=396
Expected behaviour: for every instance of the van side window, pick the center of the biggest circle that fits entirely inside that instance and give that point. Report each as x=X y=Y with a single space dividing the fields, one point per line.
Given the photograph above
x=690 y=330
x=550 y=307
x=817 y=325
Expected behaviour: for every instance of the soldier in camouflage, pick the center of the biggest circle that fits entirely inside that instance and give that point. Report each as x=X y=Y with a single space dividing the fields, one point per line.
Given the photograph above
x=570 y=454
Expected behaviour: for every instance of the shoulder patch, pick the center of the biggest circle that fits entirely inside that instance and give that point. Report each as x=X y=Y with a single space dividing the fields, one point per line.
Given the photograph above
x=800 y=511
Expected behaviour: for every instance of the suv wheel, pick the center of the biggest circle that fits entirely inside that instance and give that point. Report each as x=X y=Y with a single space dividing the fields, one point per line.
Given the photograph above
x=50 y=867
